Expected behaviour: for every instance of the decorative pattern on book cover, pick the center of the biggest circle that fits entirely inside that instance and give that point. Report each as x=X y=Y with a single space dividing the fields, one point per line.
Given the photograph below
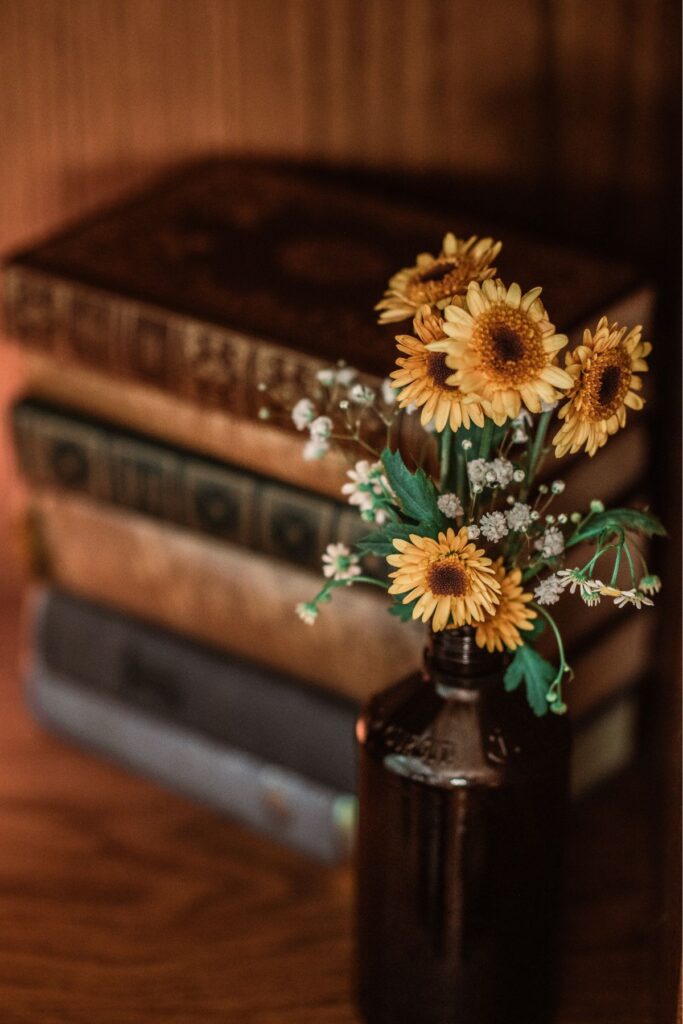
x=235 y=274
x=61 y=449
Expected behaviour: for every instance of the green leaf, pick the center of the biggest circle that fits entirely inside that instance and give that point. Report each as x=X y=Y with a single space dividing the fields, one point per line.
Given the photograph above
x=415 y=492
x=537 y=674
x=616 y=520
x=379 y=542
x=404 y=612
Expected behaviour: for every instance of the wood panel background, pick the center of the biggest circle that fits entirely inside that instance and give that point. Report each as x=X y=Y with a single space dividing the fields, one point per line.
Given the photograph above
x=95 y=94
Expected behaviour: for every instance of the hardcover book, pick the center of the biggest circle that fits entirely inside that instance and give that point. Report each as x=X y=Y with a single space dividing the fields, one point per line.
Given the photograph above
x=242 y=602
x=57 y=448
x=275 y=717
x=293 y=728
x=289 y=808
x=236 y=275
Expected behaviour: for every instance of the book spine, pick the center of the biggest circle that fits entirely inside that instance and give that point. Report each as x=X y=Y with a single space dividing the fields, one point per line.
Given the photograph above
x=131 y=340
x=243 y=603
x=254 y=445
x=236 y=702
x=285 y=806
x=59 y=450
x=223 y=595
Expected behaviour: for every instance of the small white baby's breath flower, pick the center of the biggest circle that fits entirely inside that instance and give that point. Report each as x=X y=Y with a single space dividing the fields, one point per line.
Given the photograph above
x=562 y=518
x=307 y=612
x=389 y=392
x=410 y=409
x=450 y=505
x=339 y=562
x=264 y=413
x=493 y=526
x=557 y=486
x=650 y=585
x=321 y=428
x=476 y=471
x=346 y=376
x=473 y=532
x=504 y=471
x=535 y=515
x=327 y=377
x=519 y=436
x=314 y=450
x=466 y=445
x=303 y=413
x=361 y=395
x=597 y=506
x=518 y=476
x=548 y=406
x=519 y=517
x=551 y=544
x=549 y=590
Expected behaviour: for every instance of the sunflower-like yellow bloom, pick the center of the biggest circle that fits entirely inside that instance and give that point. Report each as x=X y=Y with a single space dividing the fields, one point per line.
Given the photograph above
x=503 y=349
x=453 y=581
x=604 y=376
x=422 y=378
x=501 y=627
x=437 y=280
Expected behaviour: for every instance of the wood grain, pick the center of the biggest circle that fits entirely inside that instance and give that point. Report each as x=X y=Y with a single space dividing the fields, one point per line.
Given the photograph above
x=122 y=904
x=97 y=94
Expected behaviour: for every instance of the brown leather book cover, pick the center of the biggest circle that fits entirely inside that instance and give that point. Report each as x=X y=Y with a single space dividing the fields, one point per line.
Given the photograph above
x=234 y=274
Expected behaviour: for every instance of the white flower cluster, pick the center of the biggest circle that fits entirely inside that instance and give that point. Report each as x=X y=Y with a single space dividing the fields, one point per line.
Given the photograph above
x=304 y=414
x=519 y=517
x=551 y=543
x=450 y=505
x=549 y=590
x=369 y=489
x=332 y=376
x=497 y=473
x=494 y=526
x=339 y=563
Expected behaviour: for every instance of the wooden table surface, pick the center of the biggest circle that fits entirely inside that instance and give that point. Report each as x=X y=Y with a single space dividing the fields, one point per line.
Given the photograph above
x=122 y=903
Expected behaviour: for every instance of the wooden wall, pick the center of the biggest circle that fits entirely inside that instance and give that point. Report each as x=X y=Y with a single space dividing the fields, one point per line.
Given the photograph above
x=96 y=93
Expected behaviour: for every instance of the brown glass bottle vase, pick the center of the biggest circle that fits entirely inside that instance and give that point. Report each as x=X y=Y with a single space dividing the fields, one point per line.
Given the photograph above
x=462 y=796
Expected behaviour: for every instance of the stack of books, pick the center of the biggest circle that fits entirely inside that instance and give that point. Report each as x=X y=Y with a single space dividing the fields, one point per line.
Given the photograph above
x=173 y=531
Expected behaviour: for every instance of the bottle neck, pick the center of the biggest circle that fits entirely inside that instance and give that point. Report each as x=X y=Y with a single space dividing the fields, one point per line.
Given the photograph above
x=454 y=663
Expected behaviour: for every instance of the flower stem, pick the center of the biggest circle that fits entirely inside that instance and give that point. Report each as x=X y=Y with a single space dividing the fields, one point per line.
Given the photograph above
x=486 y=438
x=537 y=448
x=445 y=456
x=460 y=470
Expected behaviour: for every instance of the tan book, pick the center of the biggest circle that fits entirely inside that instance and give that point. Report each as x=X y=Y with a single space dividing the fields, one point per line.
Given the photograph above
x=243 y=602
x=223 y=595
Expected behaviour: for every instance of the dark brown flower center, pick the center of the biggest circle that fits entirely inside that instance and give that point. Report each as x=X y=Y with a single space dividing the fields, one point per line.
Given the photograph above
x=448 y=578
x=436 y=272
x=606 y=384
x=510 y=345
x=438 y=371
x=608 y=389
x=507 y=343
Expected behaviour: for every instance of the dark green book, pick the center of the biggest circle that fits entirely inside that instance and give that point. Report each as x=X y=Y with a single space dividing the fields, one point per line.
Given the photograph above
x=61 y=449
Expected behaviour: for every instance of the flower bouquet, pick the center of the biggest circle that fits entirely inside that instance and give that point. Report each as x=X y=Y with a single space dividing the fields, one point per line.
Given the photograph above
x=462 y=788
x=465 y=520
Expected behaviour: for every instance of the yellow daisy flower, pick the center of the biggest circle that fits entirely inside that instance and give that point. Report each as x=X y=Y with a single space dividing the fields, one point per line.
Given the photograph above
x=437 y=280
x=452 y=580
x=603 y=371
x=422 y=378
x=501 y=627
x=503 y=349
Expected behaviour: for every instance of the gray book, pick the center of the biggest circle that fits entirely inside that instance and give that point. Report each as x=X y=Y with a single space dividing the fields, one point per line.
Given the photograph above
x=275 y=717
x=284 y=805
